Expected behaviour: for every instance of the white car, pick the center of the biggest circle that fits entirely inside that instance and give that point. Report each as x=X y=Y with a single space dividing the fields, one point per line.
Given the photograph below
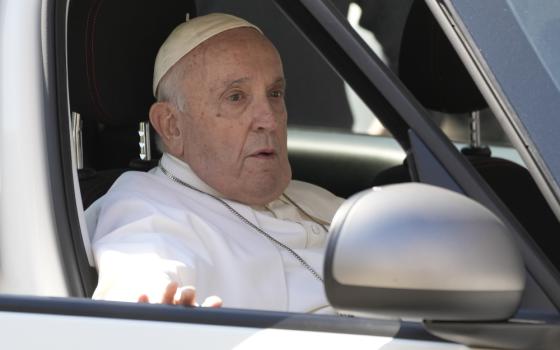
x=447 y=240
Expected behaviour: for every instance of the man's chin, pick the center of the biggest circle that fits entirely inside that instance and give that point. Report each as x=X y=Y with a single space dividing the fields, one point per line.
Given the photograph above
x=262 y=196
x=260 y=191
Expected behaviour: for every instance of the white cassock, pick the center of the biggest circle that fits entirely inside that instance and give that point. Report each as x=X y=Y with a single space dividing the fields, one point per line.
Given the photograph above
x=151 y=230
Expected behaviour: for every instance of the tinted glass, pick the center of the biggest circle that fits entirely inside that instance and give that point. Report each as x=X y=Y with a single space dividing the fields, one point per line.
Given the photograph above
x=540 y=22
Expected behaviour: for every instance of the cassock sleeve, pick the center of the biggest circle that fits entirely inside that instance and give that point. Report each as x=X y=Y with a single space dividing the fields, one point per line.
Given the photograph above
x=139 y=248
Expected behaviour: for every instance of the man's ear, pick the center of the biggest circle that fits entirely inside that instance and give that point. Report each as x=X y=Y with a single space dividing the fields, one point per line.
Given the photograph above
x=165 y=120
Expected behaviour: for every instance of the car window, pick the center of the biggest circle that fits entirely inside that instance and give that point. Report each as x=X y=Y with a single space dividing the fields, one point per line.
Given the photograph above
x=325 y=114
x=541 y=24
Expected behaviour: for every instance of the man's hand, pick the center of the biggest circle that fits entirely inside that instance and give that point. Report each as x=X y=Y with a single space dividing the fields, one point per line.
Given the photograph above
x=187 y=297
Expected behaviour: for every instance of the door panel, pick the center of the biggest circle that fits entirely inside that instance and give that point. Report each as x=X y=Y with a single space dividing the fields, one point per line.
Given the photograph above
x=82 y=332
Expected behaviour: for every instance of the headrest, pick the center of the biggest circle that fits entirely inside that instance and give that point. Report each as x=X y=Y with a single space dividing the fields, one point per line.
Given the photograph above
x=112 y=49
x=431 y=69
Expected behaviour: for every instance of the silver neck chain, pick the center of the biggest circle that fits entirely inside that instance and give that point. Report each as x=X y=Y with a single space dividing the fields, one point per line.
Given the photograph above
x=246 y=221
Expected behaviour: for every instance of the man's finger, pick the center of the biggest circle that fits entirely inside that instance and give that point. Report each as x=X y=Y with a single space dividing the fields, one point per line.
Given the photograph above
x=187 y=297
x=169 y=294
x=213 y=301
x=143 y=299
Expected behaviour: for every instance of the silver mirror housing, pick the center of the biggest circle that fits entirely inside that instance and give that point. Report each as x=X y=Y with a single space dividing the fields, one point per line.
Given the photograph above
x=419 y=251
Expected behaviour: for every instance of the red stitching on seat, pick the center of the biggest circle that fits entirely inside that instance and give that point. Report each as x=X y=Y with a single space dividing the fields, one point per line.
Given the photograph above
x=90 y=59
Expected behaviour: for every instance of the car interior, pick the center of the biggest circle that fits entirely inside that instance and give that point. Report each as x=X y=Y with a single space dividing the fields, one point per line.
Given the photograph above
x=111 y=50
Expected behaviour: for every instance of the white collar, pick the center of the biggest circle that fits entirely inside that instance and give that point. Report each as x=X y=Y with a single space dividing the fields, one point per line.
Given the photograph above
x=184 y=172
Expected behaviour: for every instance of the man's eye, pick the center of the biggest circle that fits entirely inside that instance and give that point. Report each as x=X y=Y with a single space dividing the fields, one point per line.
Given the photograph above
x=277 y=93
x=235 y=97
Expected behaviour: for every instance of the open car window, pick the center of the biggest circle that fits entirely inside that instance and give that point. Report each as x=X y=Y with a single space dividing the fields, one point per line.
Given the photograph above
x=332 y=130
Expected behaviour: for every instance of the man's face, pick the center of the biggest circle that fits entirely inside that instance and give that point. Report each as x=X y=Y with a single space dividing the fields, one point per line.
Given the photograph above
x=234 y=123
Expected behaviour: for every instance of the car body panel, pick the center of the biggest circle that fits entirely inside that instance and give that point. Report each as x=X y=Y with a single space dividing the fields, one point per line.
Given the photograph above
x=66 y=332
x=64 y=323
x=29 y=251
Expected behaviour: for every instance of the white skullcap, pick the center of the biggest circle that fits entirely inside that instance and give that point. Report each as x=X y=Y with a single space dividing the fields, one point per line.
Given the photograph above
x=189 y=35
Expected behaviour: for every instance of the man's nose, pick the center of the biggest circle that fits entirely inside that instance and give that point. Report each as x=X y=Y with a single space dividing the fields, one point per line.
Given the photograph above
x=265 y=117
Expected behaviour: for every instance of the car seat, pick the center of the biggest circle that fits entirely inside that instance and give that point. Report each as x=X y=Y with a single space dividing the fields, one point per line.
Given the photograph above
x=111 y=53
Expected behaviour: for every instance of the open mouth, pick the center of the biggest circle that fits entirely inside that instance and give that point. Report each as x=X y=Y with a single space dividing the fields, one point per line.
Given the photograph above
x=264 y=154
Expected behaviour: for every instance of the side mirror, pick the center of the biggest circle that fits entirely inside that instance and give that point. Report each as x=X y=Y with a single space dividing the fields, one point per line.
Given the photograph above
x=419 y=251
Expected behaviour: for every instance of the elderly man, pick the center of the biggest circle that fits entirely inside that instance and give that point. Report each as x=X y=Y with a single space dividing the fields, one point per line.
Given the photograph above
x=220 y=213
